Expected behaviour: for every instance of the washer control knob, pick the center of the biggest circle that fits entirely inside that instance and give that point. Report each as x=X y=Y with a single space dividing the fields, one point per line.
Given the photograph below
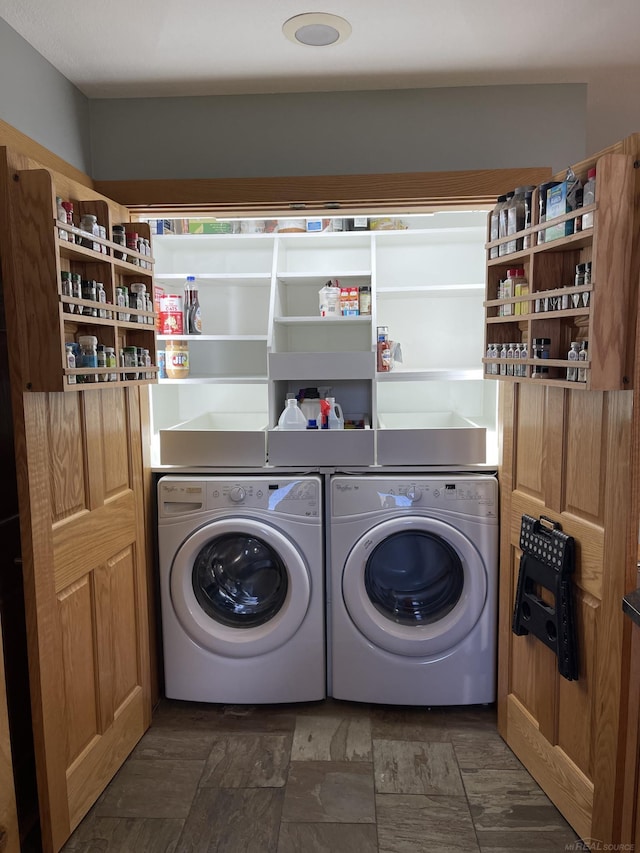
x=414 y=494
x=237 y=494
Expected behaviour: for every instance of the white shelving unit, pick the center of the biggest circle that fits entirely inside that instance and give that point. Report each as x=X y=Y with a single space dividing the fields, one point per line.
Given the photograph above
x=263 y=338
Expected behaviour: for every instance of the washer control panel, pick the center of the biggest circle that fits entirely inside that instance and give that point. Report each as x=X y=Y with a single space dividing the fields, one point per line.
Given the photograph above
x=293 y=496
x=473 y=494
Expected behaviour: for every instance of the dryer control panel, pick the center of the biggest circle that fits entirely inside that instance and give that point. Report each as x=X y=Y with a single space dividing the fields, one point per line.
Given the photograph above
x=475 y=495
x=292 y=496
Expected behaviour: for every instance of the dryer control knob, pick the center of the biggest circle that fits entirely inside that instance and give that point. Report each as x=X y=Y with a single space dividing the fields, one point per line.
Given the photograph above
x=237 y=494
x=414 y=494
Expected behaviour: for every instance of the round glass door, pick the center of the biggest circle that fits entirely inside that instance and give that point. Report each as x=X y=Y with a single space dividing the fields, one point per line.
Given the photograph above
x=239 y=587
x=414 y=578
x=414 y=586
x=239 y=580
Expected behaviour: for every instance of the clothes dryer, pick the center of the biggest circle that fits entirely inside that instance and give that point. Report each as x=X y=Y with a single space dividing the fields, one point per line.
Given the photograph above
x=241 y=585
x=412 y=589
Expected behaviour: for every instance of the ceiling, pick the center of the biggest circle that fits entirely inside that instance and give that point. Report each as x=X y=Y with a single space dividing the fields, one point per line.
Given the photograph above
x=155 y=48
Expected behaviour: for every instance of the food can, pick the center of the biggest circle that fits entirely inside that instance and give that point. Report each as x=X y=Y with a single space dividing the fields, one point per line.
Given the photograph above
x=171 y=316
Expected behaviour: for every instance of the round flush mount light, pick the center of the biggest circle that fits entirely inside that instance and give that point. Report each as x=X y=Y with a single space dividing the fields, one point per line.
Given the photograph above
x=317 y=29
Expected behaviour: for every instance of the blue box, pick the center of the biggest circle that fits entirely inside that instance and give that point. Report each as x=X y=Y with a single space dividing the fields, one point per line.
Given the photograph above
x=561 y=199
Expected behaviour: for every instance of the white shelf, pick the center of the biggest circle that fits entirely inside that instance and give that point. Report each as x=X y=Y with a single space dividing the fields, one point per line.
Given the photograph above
x=312 y=277
x=399 y=374
x=216 y=380
x=227 y=338
x=258 y=279
x=430 y=289
x=323 y=366
x=324 y=321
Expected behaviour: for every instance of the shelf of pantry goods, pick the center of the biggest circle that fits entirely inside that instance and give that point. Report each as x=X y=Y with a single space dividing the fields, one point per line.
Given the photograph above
x=41 y=255
x=604 y=323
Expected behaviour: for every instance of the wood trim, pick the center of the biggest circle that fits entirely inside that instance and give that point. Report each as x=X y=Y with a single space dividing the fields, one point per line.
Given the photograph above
x=344 y=191
x=13 y=138
x=9 y=833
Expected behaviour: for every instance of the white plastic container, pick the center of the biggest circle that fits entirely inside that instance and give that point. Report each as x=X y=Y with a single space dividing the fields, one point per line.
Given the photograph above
x=335 y=417
x=292 y=417
x=329 y=300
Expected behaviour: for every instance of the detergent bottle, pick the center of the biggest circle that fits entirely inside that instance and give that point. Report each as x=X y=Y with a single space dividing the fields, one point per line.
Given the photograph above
x=335 y=417
x=292 y=417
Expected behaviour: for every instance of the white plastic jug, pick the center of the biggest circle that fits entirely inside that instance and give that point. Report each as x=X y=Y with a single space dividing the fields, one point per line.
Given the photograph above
x=336 y=417
x=292 y=417
x=329 y=298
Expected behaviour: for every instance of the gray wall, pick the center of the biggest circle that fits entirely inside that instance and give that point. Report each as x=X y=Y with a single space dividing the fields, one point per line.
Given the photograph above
x=339 y=133
x=38 y=101
x=406 y=130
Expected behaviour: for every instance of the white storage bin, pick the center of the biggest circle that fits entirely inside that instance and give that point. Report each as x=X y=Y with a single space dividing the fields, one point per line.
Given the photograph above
x=230 y=440
x=321 y=447
x=429 y=438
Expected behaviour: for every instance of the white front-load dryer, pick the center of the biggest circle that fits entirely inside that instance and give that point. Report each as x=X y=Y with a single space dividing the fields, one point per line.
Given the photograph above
x=241 y=588
x=412 y=589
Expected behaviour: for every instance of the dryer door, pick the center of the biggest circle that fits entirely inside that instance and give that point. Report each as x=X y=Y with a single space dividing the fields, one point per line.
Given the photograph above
x=239 y=587
x=414 y=586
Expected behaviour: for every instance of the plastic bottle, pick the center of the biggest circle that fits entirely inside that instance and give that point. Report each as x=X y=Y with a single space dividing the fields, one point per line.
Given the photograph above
x=589 y=197
x=292 y=417
x=192 y=318
x=383 y=350
x=503 y=223
x=572 y=355
x=494 y=224
x=335 y=417
x=312 y=424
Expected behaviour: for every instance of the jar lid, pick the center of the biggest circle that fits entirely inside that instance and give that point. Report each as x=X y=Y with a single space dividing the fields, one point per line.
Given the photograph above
x=129 y=349
x=87 y=339
x=117 y=228
x=138 y=287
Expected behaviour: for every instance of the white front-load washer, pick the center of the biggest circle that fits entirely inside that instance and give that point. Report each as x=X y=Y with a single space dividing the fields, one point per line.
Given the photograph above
x=412 y=589
x=241 y=586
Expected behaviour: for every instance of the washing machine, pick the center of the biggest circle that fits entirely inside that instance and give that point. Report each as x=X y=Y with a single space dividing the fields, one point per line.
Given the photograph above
x=412 y=589
x=241 y=564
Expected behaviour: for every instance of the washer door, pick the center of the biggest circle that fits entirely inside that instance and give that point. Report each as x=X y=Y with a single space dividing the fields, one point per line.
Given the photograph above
x=414 y=586
x=239 y=587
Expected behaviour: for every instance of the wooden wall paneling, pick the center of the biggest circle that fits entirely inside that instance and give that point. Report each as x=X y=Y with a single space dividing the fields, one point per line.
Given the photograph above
x=529 y=441
x=584 y=440
x=9 y=832
x=67 y=471
x=608 y=679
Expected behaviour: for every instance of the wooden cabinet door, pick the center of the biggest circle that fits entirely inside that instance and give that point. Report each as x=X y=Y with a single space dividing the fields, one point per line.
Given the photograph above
x=566 y=454
x=79 y=462
x=80 y=477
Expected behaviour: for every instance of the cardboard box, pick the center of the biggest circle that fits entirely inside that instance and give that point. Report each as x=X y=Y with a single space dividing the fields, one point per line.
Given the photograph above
x=561 y=199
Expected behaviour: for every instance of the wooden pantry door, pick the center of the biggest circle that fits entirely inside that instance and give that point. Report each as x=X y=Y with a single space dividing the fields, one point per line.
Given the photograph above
x=566 y=455
x=80 y=481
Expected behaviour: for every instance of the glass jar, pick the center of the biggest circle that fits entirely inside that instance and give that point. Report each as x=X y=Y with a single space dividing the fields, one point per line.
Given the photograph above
x=132 y=246
x=102 y=362
x=89 y=224
x=118 y=236
x=110 y=363
x=71 y=363
x=88 y=356
x=572 y=355
x=129 y=360
x=89 y=294
x=177 y=359
x=583 y=356
x=138 y=300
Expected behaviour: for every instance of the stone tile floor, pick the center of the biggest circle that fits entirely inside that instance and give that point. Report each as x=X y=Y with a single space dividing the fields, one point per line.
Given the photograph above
x=324 y=777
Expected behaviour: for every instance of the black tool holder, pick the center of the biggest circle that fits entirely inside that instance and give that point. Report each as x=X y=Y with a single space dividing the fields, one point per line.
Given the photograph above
x=548 y=559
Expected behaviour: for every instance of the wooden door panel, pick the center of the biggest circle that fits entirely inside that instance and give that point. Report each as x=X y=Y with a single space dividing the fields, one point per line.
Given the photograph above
x=576 y=698
x=67 y=473
x=529 y=442
x=115 y=451
x=76 y=606
x=125 y=627
x=583 y=457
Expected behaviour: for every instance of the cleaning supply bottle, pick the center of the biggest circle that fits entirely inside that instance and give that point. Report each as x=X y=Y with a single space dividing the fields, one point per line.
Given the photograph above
x=335 y=417
x=325 y=408
x=292 y=417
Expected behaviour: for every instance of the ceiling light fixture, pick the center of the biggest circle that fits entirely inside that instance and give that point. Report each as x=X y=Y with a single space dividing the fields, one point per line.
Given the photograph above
x=317 y=29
